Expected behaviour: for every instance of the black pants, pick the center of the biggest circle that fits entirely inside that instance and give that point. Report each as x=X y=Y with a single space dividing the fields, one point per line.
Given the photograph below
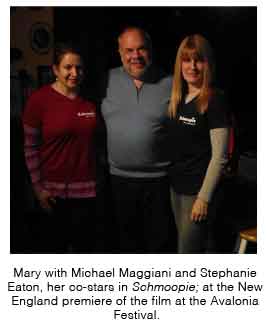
x=71 y=227
x=143 y=218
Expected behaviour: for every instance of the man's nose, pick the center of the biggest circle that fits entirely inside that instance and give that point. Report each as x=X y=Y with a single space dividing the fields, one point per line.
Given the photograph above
x=136 y=53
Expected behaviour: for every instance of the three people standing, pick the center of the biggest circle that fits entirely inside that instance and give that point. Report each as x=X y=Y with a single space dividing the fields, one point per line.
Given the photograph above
x=148 y=148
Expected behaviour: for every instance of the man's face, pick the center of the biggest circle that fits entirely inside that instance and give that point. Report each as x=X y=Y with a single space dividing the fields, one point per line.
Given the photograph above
x=134 y=52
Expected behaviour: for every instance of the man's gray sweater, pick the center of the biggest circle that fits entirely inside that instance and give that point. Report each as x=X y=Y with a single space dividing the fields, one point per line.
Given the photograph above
x=135 y=120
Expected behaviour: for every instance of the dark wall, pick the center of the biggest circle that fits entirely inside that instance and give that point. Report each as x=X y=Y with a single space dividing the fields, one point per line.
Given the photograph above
x=232 y=31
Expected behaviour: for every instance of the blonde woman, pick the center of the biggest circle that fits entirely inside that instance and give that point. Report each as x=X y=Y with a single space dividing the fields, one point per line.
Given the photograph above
x=199 y=131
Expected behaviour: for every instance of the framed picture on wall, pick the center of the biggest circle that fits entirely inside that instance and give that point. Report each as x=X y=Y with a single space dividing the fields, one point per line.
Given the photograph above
x=41 y=37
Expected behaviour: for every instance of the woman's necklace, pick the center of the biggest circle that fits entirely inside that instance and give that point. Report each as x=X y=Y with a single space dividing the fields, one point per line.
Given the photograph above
x=69 y=94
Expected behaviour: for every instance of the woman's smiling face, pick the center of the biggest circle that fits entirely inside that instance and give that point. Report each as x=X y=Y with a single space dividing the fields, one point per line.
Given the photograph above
x=193 y=70
x=69 y=71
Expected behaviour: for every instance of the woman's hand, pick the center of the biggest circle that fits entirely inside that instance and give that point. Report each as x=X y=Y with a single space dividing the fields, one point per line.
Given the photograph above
x=45 y=199
x=199 y=210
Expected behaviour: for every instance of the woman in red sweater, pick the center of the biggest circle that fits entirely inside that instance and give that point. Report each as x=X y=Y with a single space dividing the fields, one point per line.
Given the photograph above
x=59 y=127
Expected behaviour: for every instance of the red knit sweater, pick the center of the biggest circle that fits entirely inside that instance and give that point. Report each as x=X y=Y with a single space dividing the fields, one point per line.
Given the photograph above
x=59 y=143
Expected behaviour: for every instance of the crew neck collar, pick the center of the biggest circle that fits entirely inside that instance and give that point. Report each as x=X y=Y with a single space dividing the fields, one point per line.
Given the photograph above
x=63 y=95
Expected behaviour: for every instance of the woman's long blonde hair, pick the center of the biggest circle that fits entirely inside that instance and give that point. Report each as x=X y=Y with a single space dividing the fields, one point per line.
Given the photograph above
x=193 y=46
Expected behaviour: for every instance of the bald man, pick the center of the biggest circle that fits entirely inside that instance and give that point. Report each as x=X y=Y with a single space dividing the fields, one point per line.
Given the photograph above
x=134 y=110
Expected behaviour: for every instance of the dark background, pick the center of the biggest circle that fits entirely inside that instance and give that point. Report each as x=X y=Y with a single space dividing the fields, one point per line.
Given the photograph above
x=232 y=32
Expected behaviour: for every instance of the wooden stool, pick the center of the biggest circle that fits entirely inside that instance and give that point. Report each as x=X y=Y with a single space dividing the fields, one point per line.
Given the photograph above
x=247 y=235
